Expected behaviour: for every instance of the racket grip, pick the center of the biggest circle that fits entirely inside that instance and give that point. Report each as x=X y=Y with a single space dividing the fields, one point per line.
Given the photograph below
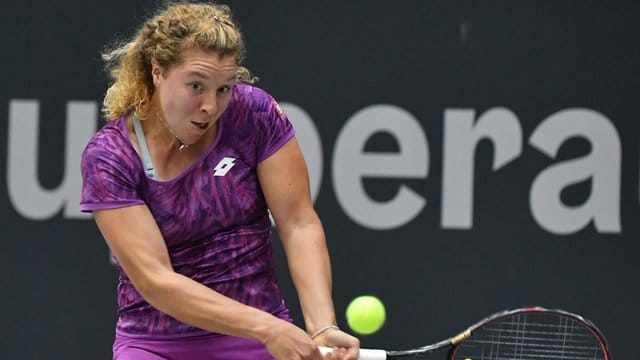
x=363 y=354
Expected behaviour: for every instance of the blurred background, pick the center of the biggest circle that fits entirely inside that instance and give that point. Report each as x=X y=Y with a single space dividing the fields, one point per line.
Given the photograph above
x=465 y=157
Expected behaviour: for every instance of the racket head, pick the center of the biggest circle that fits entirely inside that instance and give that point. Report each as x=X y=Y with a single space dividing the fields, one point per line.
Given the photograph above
x=531 y=333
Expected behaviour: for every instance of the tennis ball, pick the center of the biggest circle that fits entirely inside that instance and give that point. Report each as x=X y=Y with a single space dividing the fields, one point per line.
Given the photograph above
x=365 y=314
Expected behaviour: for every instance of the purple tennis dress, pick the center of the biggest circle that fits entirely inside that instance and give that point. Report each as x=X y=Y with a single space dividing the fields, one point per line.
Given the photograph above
x=214 y=220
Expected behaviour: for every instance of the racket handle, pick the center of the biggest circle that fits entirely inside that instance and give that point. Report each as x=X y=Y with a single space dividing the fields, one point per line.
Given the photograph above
x=364 y=354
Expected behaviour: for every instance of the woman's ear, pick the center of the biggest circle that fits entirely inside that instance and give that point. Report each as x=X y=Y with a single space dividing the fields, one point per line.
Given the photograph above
x=156 y=71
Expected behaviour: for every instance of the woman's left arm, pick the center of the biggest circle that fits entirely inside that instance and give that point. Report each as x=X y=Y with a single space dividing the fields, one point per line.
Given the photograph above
x=285 y=183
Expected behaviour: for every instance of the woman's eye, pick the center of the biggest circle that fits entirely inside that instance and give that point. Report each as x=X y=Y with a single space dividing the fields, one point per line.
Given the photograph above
x=225 y=89
x=195 y=86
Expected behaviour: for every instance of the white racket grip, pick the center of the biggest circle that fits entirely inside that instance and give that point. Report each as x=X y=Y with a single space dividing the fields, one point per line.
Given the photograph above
x=363 y=354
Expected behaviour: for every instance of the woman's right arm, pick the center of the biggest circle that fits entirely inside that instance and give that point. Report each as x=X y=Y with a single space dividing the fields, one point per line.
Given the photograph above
x=136 y=241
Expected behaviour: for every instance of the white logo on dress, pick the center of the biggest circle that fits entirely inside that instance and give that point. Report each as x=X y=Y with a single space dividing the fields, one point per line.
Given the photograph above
x=224 y=166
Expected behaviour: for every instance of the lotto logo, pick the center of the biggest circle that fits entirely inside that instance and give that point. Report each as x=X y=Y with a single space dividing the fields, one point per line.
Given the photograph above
x=224 y=166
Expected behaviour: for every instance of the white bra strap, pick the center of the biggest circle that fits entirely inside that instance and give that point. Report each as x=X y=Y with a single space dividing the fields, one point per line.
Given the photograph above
x=144 y=149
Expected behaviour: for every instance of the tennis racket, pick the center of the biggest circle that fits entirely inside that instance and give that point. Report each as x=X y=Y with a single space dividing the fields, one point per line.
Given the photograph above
x=530 y=333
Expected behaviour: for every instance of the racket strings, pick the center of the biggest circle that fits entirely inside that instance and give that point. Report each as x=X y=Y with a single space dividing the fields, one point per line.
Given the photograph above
x=532 y=336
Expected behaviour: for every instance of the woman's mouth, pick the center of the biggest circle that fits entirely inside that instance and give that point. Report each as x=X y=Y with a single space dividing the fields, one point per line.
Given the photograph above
x=201 y=126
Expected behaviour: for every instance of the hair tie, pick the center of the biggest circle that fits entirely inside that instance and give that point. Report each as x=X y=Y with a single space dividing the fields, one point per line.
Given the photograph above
x=334 y=327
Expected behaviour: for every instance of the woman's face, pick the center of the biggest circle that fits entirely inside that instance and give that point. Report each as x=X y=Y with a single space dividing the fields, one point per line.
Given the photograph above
x=192 y=94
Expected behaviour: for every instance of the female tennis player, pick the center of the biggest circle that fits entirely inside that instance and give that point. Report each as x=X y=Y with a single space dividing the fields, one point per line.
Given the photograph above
x=181 y=181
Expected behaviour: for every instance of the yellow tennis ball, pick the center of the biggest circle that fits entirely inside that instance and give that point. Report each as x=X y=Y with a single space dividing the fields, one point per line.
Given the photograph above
x=366 y=314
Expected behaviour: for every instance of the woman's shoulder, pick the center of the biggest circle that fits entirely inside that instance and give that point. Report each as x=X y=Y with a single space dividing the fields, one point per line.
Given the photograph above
x=112 y=138
x=251 y=95
x=110 y=152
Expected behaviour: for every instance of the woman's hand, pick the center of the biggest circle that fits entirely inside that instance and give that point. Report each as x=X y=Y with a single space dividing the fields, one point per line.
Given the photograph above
x=345 y=346
x=288 y=342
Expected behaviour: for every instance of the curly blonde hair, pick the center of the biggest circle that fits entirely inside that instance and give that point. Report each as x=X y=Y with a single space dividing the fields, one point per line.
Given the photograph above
x=163 y=37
